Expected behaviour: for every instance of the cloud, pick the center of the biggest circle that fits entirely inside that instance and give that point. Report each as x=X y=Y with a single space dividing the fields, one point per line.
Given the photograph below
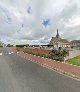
x=36 y=21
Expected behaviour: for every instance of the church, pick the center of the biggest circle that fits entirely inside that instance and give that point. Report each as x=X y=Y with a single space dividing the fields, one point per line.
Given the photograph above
x=57 y=42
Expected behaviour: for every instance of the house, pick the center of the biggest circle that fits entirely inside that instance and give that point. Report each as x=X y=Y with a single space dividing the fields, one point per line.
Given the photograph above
x=57 y=42
x=75 y=44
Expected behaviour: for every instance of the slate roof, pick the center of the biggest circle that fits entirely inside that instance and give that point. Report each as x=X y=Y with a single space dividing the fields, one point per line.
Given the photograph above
x=60 y=40
x=75 y=41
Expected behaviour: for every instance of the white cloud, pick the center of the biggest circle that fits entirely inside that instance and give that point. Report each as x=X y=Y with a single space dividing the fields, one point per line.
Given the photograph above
x=74 y=21
x=64 y=14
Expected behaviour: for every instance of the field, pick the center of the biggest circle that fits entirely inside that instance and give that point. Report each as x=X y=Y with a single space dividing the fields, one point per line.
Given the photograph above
x=74 y=61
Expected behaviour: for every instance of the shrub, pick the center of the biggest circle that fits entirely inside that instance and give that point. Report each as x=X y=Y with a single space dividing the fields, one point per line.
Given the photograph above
x=21 y=46
x=56 y=52
x=9 y=45
x=65 y=52
x=1 y=46
x=37 y=54
x=59 y=54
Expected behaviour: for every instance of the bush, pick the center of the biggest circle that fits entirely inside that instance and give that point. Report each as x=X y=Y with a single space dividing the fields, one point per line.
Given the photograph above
x=65 y=52
x=59 y=54
x=56 y=52
x=21 y=46
x=9 y=45
x=1 y=46
x=28 y=52
x=37 y=54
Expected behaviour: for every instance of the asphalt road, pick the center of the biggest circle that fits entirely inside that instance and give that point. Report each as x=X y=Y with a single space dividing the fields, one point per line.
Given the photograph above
x=20 y=75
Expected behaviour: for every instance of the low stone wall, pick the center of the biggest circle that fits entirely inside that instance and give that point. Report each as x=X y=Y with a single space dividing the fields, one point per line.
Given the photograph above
x=72 y=53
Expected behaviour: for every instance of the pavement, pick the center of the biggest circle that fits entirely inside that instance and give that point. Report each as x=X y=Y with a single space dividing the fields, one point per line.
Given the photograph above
x=18 y=74
x=61 y=67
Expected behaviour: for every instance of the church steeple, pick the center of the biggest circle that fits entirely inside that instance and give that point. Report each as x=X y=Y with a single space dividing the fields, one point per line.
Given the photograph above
x=57 y=35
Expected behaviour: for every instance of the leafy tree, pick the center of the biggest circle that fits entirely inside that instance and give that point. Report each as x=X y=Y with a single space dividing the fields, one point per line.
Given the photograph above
x=9 y=45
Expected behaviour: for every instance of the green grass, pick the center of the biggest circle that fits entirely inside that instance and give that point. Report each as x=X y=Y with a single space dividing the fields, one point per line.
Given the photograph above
x=74 y=61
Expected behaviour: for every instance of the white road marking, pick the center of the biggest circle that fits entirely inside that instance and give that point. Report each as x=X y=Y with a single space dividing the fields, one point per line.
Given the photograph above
x=12 y=52
x=9 y=52
x=0 y=53
x=6 y=53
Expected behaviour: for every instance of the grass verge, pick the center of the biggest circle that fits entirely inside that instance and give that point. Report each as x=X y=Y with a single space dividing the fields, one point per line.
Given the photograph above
x=74 y=61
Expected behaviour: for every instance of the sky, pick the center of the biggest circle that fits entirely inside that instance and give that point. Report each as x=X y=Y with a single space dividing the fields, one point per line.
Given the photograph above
x=36 y=21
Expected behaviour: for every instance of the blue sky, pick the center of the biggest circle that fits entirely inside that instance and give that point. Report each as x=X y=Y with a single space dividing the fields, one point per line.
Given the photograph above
x=46 y=23
x=36 y=21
